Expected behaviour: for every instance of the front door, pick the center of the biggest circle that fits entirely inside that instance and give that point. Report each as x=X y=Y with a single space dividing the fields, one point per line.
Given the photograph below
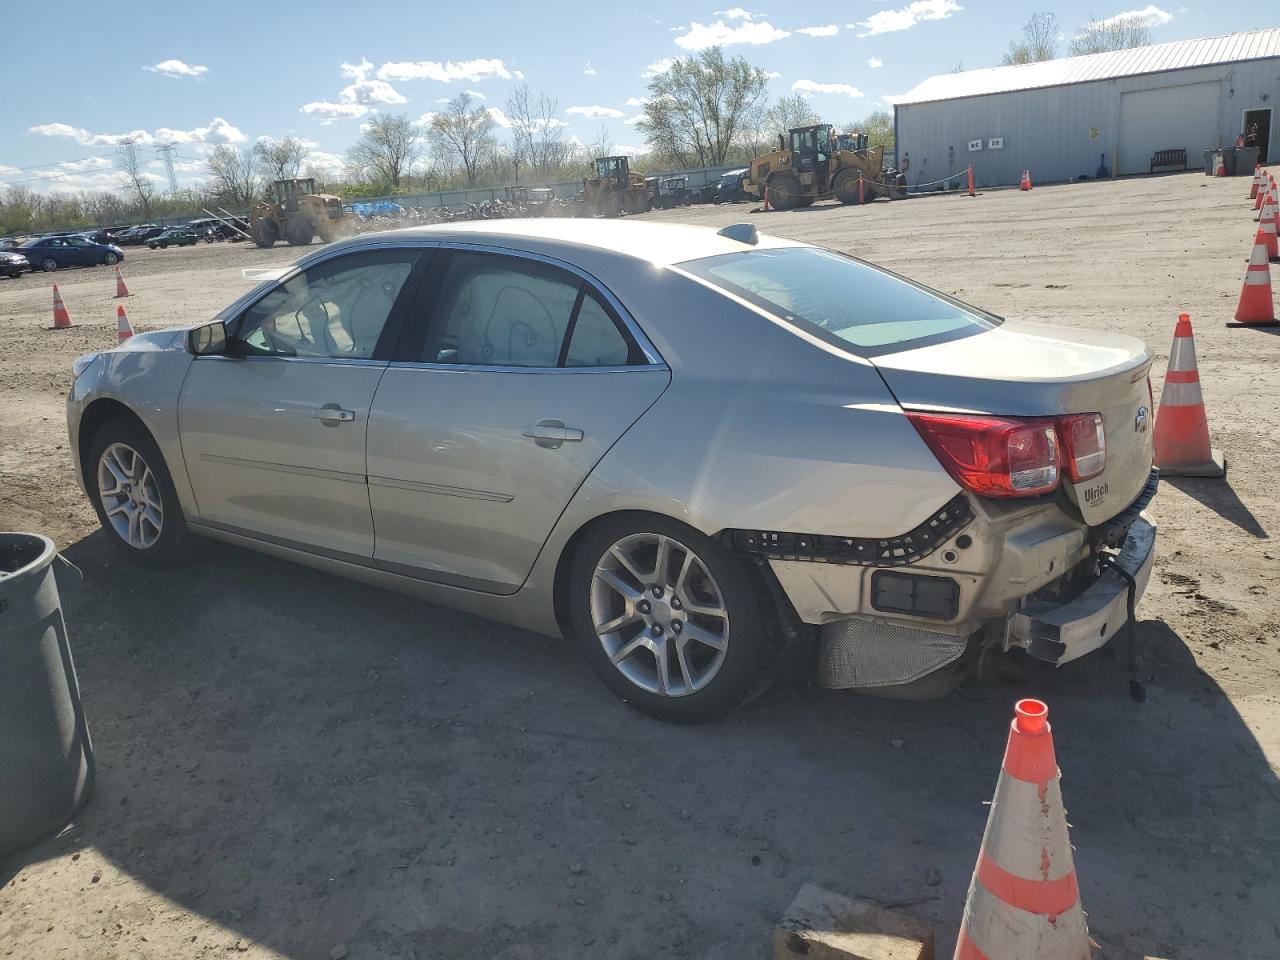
x=1257 y=131
x=273 y=433
x=483 y=432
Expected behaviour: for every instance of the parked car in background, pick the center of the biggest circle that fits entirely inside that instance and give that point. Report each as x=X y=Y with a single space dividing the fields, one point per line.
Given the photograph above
x=858 y=463
x=53 y=253
x=98 y=236
x=139 y=234
x=730 y=188
x=173 y=237
x=13 y=264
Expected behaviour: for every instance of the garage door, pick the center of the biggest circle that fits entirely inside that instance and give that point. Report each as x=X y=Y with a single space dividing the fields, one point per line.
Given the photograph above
x=1167 y=118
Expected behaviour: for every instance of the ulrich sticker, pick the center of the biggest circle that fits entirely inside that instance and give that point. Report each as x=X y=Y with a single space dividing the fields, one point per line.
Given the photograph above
x=1095 y=495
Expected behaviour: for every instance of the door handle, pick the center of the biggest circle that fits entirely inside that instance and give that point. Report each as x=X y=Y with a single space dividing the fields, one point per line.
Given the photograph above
x=331 y=415
x=552 y=433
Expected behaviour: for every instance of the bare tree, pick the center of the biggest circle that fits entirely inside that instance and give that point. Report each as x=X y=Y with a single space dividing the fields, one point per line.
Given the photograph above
x=787 y=112
x=1039 y=41
x=132 y=178
x=387 y=149
x=1117 y=33
x=464 y=134
x=537 y=132
x=697 y=107
x=281 y=159
x=602 y=145
x=234 y=174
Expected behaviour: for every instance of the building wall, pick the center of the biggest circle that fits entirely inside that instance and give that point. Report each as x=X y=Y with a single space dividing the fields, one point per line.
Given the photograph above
x=1052 y=131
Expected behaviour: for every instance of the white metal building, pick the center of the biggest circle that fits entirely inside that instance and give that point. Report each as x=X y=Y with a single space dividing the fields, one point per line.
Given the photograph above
x=1064 y=119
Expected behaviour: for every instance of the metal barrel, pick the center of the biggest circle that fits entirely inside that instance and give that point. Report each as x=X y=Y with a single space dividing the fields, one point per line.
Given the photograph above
x=46 y=757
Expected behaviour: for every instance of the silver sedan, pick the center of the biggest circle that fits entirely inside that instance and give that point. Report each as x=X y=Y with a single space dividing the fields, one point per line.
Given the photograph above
x=689 y=451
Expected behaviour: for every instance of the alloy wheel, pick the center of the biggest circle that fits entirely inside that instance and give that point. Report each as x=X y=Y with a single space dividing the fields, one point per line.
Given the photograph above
x=130 y=496
x=659 y=615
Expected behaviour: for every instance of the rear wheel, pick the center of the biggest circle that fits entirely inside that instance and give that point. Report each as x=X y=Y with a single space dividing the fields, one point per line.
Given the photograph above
x=784 y=192
x=265 y=234
x=110 y=259
x=133 y=493
x=48 y=264
x=668 y=618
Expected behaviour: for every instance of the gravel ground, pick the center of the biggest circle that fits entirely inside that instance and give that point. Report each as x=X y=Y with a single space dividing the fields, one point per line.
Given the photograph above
x=289 y=762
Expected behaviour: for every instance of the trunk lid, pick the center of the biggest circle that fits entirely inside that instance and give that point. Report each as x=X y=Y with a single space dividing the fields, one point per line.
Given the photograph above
x=1022 y=370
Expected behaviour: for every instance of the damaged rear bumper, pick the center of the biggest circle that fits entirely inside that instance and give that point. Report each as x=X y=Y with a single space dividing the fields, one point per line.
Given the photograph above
x=1062 y=632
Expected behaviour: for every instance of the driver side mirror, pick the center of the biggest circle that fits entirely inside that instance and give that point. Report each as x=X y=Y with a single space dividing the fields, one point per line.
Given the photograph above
x=209 y=340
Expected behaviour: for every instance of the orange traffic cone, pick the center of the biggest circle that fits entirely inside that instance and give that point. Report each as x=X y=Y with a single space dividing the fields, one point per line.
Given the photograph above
x=971 y=193
x=1257 y=301
x=1182 y=429
x=1026 y=180
x=1257 y=180
x=61 y=319
x=124 y=329
x=1268 y=224
x=1263 y=189
x=1023 y=900
x=1219 y=167
x=121 y=289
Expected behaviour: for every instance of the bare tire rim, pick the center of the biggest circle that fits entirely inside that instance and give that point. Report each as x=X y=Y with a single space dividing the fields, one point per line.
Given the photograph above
x=130 y=496
x=659 y=615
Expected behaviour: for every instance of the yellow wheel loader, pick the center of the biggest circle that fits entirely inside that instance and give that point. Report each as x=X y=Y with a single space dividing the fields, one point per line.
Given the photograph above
x=615 y=190
x=814 y=163
x=297 y=214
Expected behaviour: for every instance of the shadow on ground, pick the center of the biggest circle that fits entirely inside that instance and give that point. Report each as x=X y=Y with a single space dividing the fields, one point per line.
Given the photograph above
x=309 y=761
x=1218 y=496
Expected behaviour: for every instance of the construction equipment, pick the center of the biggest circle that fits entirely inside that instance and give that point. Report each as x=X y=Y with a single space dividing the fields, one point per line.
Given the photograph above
x=813 y=163
x=614 y=190
x=298 y=214
x=671 y=192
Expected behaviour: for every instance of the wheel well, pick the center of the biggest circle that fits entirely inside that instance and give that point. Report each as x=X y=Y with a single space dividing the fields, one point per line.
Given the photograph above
x=95 y=415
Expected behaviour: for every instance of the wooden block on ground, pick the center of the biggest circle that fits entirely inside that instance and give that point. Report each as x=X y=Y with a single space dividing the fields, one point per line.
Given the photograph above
x=821 y=925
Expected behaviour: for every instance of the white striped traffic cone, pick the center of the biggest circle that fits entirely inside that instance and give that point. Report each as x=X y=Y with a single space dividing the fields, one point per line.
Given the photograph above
x=1257 y=306
x=1267 y=225
x=1023 y=901
x=1257 y=180
x=1181 y=438
x=124 y=329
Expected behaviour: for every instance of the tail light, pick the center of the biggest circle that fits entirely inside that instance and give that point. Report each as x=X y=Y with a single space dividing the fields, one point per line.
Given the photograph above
x=994 y=456
x=1084 y=445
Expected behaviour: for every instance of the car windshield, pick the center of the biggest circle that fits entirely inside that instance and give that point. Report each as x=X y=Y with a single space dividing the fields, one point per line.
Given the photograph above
x=847 y=303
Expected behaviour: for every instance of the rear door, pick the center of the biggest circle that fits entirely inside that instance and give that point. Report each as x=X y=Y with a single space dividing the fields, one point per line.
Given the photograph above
x=274 y=433
x=525 y=375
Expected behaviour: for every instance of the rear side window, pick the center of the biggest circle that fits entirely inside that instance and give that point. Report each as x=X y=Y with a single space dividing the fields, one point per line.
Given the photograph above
x=849 y=304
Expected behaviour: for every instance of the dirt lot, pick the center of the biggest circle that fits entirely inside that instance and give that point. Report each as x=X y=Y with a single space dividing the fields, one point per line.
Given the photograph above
x=288 y=762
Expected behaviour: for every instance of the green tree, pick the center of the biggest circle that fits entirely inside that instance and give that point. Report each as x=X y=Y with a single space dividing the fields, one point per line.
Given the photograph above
x=388 y=148
x=464 y=135
x=878 y=127
x=696 y=109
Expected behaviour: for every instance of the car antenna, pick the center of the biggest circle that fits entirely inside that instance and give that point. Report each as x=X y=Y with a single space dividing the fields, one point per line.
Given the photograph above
x=742 y=232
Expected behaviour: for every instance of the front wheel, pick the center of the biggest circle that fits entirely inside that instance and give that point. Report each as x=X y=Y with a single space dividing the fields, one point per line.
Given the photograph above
x=845 y=186
x=264 y=234
x=784 y=192
x=110 y=259
x=668 y=618
x=300 y=233
x=133 y=494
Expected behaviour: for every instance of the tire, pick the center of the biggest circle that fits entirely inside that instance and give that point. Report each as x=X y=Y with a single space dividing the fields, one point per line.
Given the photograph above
x=612 y=205
x=265 y=234
x=300 y=233
x=845 y=186
x=151 y=547
x=710 y=680
x=48 y=264
x=784 y=192
x=110 y=259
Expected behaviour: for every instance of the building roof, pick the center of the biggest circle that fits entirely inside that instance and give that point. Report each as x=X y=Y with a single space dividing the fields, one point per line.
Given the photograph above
x=1157 y=58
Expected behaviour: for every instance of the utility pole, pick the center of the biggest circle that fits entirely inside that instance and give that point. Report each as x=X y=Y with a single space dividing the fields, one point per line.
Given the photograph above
x=165 y=152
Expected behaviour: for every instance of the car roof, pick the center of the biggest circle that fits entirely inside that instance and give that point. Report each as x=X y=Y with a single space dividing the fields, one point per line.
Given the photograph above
x=650 y=241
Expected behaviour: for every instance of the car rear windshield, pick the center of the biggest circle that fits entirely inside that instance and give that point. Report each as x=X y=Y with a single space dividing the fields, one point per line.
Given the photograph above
x=843 y=301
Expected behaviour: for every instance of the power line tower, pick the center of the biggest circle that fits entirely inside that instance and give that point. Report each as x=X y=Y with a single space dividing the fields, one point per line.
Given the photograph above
x=165 y=152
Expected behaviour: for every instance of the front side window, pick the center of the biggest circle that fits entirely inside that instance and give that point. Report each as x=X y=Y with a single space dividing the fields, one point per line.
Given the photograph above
x=847 y=303
x=335 y=310
x=498 y=311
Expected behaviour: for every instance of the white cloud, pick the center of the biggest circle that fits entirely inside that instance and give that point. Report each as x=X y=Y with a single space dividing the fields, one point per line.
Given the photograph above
x=623 y=149
x=323 y=162
x=830 y=30
x=475 y=94
x=595 y=112
x=370 y=92
x=772 y=74
x=498 y=117
x=657 y=68
x=218 y=131
x=918 y=11
x=177 y=69
x=518 y=74
x=426 y=119
x=588 y=70
x=636 y=101
x=442 y=99
x=631 y=121
x=472 y=71
x=733 y=13
x=812 y=86
x=357 y=71
x=8 y=171
x=1150 y=15
x=875 y=63
x=327 y=112
x=87 y=164
x=720 y=34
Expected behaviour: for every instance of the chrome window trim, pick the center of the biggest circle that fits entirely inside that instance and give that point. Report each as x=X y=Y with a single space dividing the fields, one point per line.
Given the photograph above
x=542 y=371
x=275 y=358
